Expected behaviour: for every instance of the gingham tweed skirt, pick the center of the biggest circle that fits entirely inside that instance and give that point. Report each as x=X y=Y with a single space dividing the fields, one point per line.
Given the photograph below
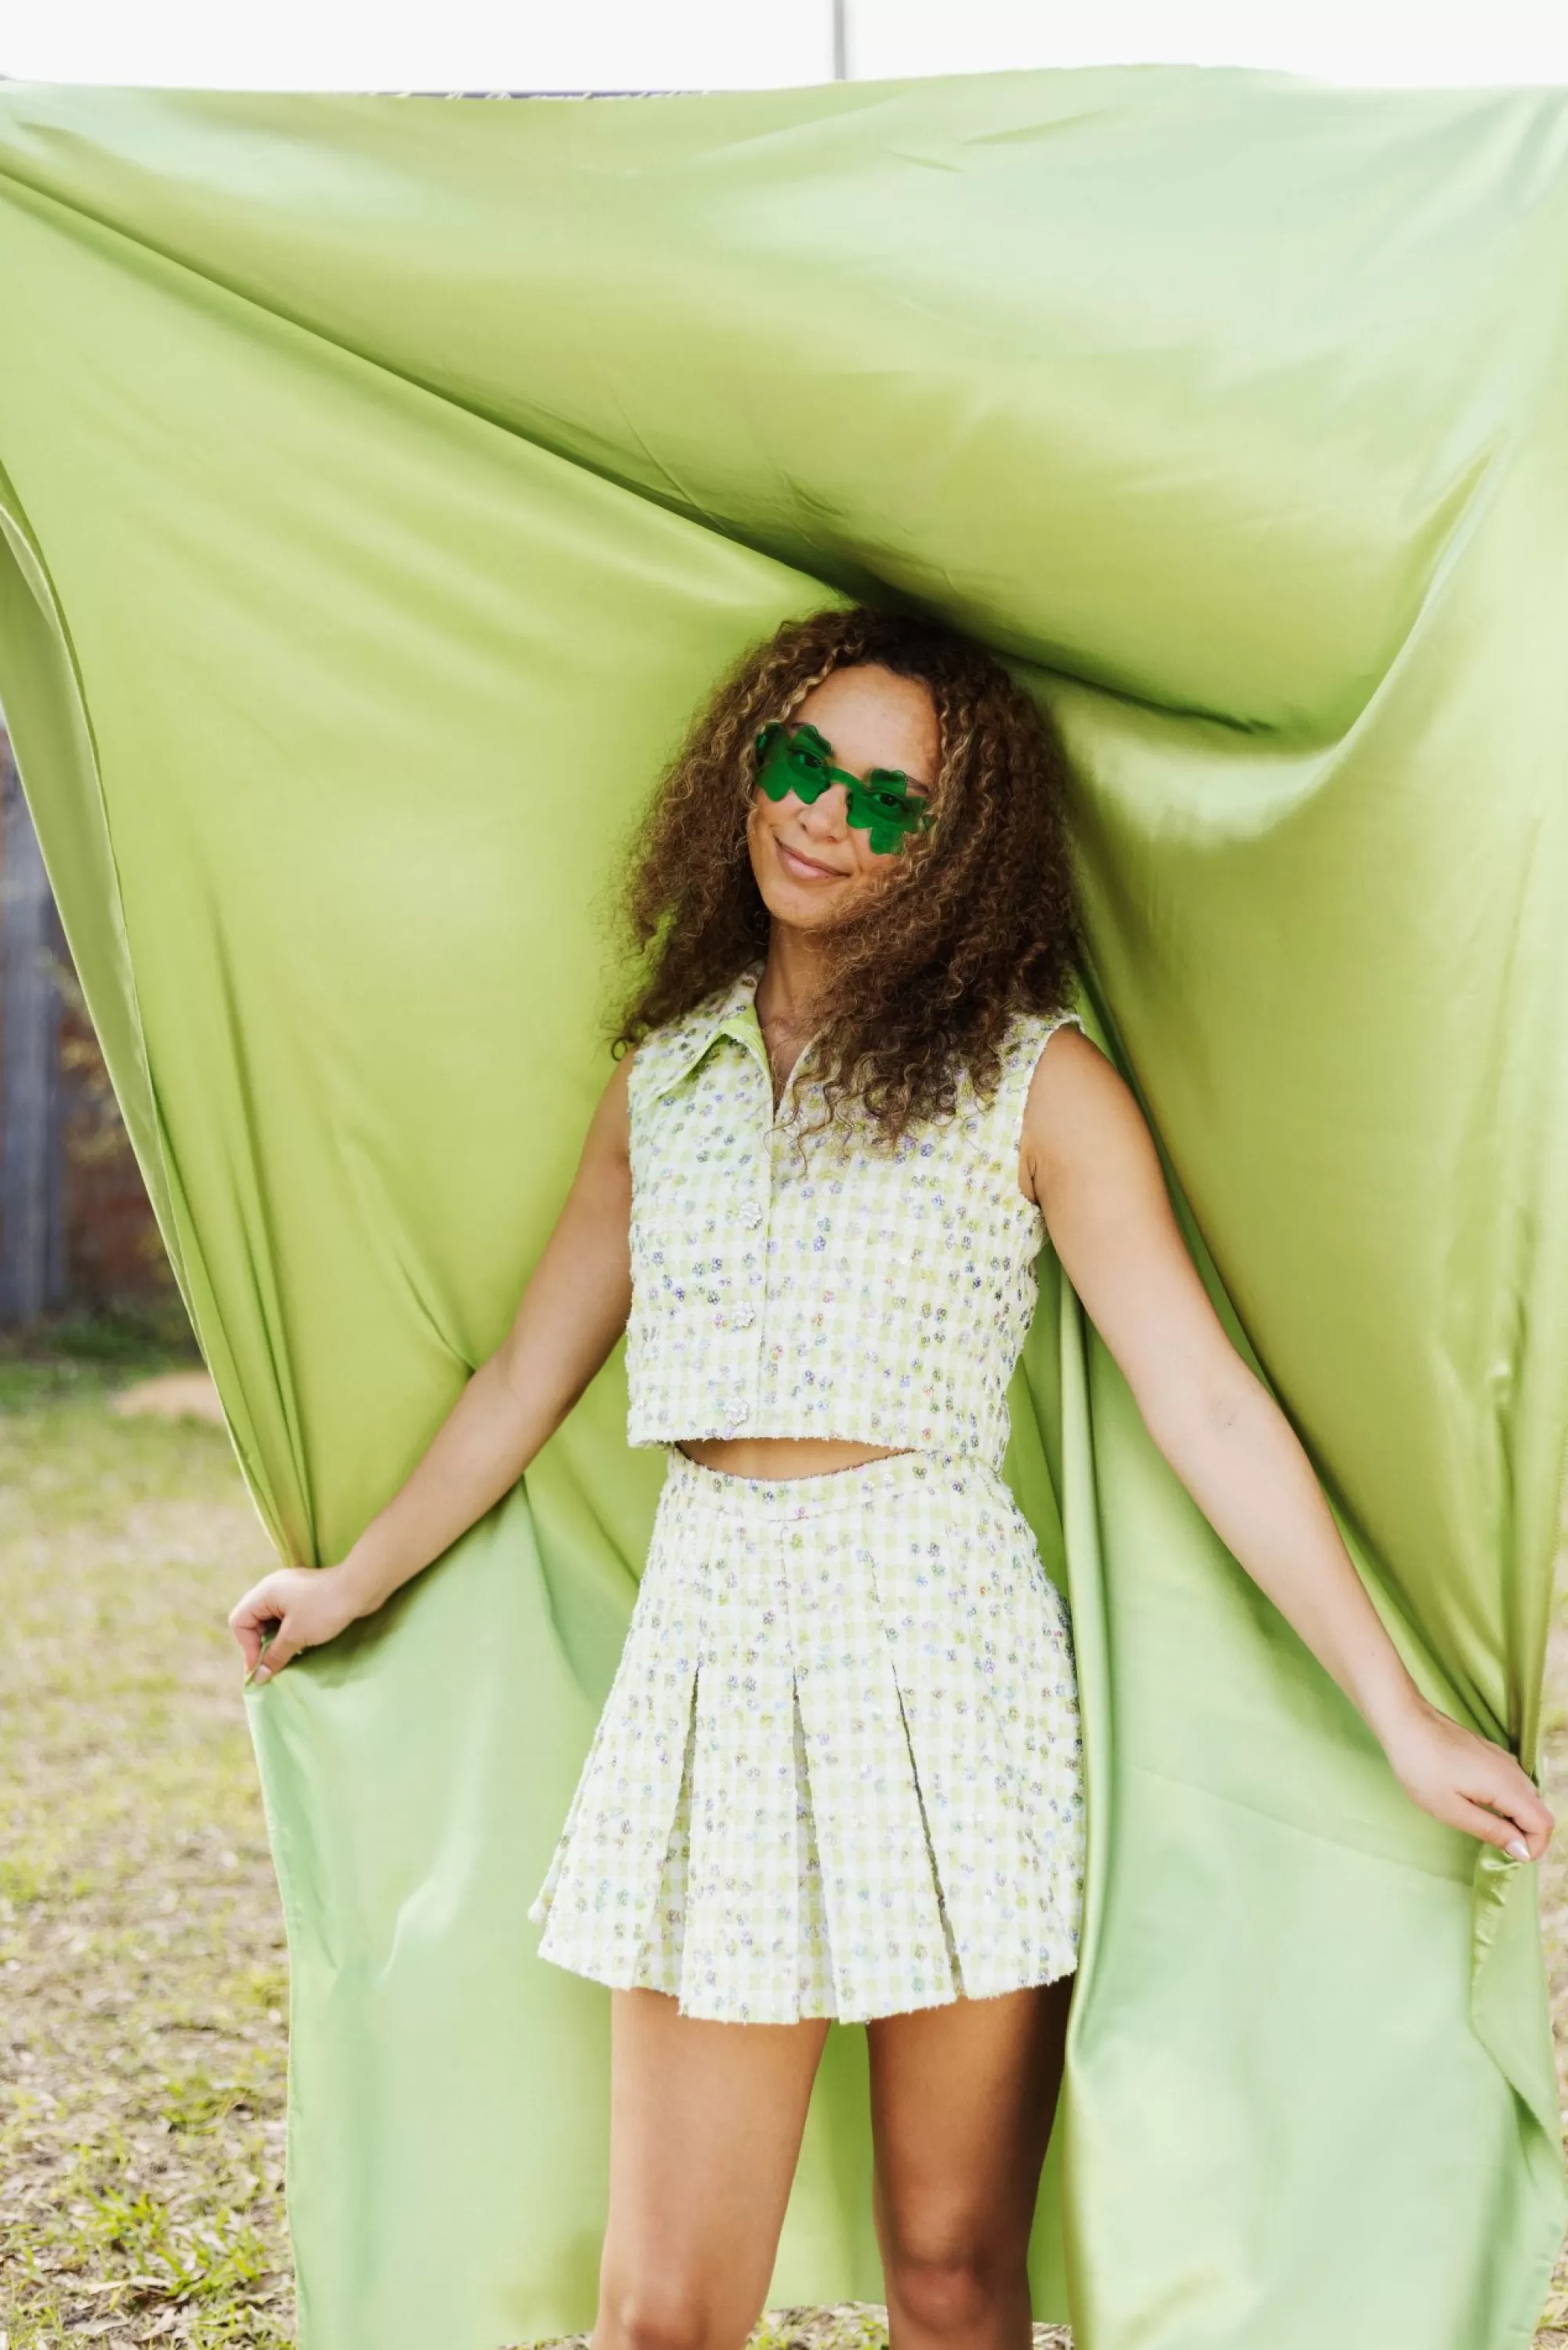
x=838 y=1772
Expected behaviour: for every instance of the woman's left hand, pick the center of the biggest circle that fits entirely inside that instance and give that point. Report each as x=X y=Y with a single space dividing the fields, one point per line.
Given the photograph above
x=1468 y=1783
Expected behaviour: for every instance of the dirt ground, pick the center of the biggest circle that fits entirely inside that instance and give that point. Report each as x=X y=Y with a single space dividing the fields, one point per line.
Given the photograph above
x=142 y=1965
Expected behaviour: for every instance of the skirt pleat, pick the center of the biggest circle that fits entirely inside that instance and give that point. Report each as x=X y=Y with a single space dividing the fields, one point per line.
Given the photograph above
x=886 y=1940
x=983 y=1657
x=743 y=1922
x=839 y=1771
x=610 y=1869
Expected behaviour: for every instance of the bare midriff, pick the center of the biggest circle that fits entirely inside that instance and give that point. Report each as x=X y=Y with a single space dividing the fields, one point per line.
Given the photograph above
x=783 y=1456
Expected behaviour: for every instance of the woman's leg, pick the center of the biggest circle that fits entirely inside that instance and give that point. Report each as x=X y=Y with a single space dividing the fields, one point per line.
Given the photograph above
x=961 y=2104
x=705 y=2128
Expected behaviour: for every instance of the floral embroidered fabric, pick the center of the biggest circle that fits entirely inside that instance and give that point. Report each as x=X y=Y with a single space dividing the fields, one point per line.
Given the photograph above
x=783 y=1288
x=838 y=1772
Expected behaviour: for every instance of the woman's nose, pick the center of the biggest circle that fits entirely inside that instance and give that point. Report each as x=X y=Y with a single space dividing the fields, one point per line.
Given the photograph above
x=828 y=812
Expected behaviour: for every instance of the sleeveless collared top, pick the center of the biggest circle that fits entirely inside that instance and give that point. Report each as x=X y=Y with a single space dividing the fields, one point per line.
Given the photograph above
x=823 y=1288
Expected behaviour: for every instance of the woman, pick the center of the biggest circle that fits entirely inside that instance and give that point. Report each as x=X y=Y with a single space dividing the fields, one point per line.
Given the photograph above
x=839 y=1769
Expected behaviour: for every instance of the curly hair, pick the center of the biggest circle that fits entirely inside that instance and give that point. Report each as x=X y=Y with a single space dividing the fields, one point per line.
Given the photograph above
x=980 y=920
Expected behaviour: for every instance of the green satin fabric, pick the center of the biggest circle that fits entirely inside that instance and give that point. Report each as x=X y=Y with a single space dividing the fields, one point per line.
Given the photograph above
x=372 y=466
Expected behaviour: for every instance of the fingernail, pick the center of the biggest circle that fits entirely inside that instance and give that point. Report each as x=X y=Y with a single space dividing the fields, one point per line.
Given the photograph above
x=263 y=1673
x=1518 y=1849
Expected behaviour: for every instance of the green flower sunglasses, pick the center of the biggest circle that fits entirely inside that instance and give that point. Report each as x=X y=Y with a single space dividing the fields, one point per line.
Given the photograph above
x=878 y=804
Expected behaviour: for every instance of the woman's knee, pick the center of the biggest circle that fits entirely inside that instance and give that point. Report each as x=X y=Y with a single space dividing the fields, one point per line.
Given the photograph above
x=649 y=2314
x=947 y=2278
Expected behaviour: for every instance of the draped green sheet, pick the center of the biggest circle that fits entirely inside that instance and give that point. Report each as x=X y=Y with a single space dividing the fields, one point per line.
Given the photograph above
x=382 y=481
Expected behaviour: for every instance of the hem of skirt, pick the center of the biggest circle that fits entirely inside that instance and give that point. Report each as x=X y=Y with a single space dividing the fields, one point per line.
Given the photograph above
x=632 y=1978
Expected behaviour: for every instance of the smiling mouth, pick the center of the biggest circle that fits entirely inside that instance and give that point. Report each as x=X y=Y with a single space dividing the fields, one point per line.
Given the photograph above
x=794 y=860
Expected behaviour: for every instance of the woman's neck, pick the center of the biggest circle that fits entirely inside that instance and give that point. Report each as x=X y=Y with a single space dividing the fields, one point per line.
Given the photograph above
x=786 y=998
x=791 y=983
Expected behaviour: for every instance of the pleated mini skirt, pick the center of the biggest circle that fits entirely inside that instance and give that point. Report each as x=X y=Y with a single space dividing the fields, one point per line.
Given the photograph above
x=839 y=1770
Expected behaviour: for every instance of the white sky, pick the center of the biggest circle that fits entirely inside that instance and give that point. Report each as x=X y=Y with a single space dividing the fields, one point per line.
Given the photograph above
x=737 y=43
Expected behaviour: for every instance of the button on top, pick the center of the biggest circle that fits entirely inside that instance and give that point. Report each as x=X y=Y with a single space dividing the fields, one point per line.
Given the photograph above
x=742 y=1317
x=750 y=1214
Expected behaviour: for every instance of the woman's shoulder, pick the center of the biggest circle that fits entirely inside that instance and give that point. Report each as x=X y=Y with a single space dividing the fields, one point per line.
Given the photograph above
x=990 y=1114
x=668 y=1050
x=1026 y=1033
x=1021 y=1047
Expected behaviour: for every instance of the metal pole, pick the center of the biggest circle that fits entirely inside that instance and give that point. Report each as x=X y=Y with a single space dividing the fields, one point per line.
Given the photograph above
x=840 y=40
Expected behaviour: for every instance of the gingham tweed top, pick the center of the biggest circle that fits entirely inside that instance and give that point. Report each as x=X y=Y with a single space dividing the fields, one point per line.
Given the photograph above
x=827 y=1289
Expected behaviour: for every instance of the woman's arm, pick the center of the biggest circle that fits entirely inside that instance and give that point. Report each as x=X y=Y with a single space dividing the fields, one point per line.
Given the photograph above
x=572 y=1311
x=1090 y=1162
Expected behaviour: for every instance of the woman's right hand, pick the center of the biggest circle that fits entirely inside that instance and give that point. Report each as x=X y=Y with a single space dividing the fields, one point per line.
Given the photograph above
x=570 y=1315
x=309 y=1605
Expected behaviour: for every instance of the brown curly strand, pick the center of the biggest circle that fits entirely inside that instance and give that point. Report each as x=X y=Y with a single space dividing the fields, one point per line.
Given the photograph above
x=981 y=918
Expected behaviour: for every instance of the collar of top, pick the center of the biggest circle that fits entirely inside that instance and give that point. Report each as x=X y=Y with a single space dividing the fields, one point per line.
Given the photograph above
x=729 y=1012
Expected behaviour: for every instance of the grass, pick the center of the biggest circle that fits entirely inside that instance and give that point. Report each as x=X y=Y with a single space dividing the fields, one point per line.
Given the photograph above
x=142 y=1964
x=142 y=1973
